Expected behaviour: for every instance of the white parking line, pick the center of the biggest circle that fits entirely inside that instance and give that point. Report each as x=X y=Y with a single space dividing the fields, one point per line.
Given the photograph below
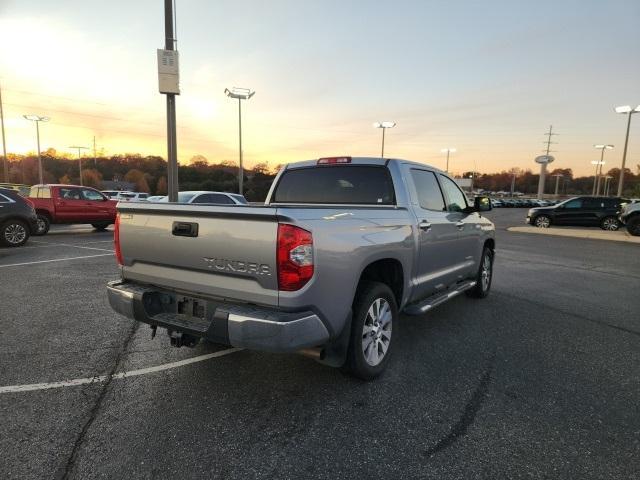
x=54 y=260
x=102 y=378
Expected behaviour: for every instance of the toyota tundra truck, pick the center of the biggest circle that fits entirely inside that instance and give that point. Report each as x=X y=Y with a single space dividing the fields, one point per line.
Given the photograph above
x=341 y=246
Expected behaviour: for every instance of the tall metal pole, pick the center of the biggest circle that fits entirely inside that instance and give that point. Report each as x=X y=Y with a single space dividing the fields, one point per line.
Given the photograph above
x=172 y=156
x=447 y=170
x=95 y=159
x=598 y=175
x=513 y=184
x=39 y=156
x=4 y=141
x=624 y=155
x=595 y=179
x=241 y=170
x=382 y=154
x=80 y=166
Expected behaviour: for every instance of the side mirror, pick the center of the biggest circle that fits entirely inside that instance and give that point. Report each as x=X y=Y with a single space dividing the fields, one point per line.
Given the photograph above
x=482 y=204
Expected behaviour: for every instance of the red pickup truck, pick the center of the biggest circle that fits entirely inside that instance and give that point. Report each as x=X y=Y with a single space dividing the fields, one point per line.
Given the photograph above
x=71 y=204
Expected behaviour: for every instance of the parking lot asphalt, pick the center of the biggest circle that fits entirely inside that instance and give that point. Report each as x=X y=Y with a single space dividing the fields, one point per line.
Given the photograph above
x=539 y=380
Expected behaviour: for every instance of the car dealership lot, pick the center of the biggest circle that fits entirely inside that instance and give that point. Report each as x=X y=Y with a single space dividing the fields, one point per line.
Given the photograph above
x=539 y=380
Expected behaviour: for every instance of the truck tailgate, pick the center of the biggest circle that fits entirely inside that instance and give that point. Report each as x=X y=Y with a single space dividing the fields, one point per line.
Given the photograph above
x=227 y=252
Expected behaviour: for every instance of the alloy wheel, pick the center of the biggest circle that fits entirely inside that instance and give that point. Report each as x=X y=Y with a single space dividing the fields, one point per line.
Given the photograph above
x=15 y=233
x=376 y=332
x=610 y=224
x=543 y=222
x=485 y=273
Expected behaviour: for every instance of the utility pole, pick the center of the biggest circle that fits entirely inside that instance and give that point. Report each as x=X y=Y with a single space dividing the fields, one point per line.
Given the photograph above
x=4 y=141
x=513 y=184
x=558 y=175
x=170 y=62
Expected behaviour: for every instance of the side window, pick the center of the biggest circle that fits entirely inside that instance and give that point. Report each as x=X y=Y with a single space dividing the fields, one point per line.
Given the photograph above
x=593 y=203
x=611 y=202
x=429 y=193
x=204 y=198
x=70 y=193
x=33 y=193
x=44 y=192
x=92 y=195
x=574 y=204
x=220 y=199
x=456 y=200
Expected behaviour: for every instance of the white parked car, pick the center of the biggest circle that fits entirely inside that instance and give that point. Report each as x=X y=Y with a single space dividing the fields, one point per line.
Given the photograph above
x=216 y=198
x=131 y=197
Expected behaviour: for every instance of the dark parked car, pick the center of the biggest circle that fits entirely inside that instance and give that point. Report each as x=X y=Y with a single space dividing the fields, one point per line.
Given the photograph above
x=17 y=218
x=579 y=211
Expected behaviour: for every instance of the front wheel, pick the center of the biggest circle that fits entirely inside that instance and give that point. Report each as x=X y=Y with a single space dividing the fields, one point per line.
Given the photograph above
x=542 y=221
x=374 y=325
x=14 y=233
x=484 y=276
x=610 y=223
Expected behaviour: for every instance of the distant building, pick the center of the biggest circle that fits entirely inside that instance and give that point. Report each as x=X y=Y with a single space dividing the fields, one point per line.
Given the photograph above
x=118 y=185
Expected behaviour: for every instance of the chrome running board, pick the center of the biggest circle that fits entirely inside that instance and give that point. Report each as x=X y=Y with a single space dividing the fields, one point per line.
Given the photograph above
x=428 y=303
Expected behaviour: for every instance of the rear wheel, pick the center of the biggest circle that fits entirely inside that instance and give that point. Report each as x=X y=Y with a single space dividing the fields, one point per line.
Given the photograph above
x=14 y=233
x=484 y=276
x=375 y=315
x=100 y=226
x=610 y=223
x=43 y=225
x=542 y=221
x=633 y=226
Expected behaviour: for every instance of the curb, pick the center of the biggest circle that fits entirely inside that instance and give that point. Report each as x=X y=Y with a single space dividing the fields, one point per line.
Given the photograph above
x=617 y=236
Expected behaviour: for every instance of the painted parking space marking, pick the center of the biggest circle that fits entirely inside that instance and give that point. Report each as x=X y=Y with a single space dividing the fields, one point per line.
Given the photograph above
x=54 y=260
x=102 y=378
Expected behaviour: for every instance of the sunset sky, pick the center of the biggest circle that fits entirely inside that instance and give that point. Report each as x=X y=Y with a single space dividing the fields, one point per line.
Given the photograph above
x=487 y=78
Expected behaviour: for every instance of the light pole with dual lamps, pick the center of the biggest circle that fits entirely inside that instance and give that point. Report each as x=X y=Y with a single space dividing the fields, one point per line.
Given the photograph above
x=37 y=119
x=383 y=126
x=239 y=94
x=596 y=184
x=628 y=111
x=79 y=159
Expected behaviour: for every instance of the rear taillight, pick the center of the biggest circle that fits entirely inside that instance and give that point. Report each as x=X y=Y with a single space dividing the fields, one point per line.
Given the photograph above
x=295 y=257
x=116 y=240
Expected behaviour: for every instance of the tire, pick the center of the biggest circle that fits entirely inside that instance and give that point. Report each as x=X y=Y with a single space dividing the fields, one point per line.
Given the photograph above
x=633 y=226
x=14 y=233
x=542 y=221
x=610 y=223
x=100 y=226
x=44 y=223
x=484 y=275
x=372 y=334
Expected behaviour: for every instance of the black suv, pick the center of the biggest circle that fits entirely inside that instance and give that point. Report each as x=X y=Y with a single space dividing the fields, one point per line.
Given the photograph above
x=580 y=211
x=17 y=218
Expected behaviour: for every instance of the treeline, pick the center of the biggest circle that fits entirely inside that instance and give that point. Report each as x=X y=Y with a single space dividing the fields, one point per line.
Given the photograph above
x=147 y=173
x=527 y=182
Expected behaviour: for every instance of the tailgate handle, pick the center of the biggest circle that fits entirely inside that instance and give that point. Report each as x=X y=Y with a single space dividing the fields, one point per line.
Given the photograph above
x=185 y=229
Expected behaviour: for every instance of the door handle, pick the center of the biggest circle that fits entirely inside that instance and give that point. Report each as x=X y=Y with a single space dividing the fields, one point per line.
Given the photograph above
x=460 y=225
x=424 y=225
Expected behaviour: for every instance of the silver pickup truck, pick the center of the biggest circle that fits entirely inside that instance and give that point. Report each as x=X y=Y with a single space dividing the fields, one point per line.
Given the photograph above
x=340 y=247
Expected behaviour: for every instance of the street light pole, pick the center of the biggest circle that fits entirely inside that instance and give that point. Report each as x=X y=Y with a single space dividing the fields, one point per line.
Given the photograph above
x=628 y=111
x=383 y=126
x=448 y=151
x=557 y=175
x=240 y=94
x=37 y=119
x=596 y=186
x=79 y=159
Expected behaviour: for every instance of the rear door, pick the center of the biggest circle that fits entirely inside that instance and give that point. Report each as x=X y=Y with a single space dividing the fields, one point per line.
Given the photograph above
x=437 y=235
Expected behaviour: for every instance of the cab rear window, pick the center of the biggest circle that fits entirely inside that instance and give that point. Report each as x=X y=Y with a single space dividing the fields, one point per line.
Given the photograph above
x=343 y=184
